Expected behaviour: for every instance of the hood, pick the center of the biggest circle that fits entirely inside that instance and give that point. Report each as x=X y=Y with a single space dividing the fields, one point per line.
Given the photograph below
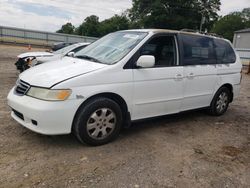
x=49 y=74
x=35 y=54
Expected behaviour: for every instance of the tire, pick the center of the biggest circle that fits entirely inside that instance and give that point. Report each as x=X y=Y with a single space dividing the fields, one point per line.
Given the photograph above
x=220 y=102
x=98 y=122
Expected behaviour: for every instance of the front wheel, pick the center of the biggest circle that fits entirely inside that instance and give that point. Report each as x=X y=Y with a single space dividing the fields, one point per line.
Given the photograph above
x=98 y=121
x=220 y=102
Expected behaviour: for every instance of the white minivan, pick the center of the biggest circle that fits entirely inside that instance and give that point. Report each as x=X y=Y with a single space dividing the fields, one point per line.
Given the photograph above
x=123 y=77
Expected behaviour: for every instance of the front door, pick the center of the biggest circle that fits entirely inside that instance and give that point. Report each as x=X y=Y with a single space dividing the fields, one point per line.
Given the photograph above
x=158 y=90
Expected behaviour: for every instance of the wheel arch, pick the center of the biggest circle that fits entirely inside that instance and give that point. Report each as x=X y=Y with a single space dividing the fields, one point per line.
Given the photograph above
x=230 y=87
x=113 y=96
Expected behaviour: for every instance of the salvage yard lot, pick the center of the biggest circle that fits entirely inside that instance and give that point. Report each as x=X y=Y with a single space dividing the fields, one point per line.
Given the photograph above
x=192 y=149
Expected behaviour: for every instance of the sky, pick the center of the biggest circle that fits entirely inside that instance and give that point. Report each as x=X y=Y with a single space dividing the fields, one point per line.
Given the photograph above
x=50 y=15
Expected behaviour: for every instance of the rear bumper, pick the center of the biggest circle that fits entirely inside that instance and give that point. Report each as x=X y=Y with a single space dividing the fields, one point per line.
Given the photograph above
x=52 y=118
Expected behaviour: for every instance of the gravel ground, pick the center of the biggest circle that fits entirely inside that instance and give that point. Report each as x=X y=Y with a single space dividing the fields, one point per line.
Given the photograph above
x=191 y=149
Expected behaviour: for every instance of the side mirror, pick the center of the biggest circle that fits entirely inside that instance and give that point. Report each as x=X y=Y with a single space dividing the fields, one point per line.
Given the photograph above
x=146 y=61
x=71 y=54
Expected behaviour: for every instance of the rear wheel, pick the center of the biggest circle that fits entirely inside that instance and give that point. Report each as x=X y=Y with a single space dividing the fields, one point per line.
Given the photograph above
x=220 y=102
x=98 y=121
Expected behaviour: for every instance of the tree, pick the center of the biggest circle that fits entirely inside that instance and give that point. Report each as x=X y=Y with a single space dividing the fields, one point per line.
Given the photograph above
x=169 y=14
x=90 y=27
x=173 y=14
x=67 y=28
x=208 y=9
x=246 y=15
x=114 y=23
x=227 y=25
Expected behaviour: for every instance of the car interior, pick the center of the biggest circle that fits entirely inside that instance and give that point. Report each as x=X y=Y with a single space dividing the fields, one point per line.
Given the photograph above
x=163 y=49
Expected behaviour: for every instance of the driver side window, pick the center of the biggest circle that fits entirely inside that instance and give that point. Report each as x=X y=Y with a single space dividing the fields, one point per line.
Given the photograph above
x=163 y=49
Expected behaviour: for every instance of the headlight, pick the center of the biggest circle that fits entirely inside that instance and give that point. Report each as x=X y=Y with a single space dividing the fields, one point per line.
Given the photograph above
x=49 y=94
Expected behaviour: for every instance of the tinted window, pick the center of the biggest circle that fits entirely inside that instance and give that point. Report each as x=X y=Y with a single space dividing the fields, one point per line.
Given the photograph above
x=198 y=50
x=163 y=49
x=224 y=52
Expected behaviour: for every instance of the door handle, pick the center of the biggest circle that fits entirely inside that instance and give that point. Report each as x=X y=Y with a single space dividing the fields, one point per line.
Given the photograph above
x=178 y=77
x=190 y=75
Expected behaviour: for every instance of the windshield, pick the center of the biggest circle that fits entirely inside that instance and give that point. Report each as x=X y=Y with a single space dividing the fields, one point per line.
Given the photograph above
x=111 y=48
x=65 y=49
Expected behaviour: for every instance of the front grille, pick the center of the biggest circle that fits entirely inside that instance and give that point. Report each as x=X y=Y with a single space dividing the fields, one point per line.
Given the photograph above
x=22 y=87
x=18 y=114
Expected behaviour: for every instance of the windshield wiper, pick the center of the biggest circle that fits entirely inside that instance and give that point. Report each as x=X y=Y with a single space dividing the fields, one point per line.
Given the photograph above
x=88 y=58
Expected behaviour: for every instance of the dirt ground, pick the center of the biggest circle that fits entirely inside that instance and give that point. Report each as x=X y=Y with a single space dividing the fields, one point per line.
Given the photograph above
x=191 y=149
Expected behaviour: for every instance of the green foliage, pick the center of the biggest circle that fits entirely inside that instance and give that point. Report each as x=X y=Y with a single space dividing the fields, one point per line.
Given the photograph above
x=169 y=14
x=114 y=24
x=67 y=28
x=209 y=9
x=174 y=14
x=246 y=13
x=246 y=16
x=227 y=25
x=92 y=27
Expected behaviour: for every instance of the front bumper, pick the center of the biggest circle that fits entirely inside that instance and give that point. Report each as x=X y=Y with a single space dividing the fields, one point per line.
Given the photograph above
x=52 y=118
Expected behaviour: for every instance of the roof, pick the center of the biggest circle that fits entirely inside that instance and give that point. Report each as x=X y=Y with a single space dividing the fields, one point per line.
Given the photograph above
x=243 y=31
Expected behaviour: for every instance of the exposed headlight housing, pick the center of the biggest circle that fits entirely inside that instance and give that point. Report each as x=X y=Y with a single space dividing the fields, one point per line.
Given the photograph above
x=49 y=94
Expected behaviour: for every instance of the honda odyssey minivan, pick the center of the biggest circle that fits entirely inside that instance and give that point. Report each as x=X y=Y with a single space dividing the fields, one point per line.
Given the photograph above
x=123 y=77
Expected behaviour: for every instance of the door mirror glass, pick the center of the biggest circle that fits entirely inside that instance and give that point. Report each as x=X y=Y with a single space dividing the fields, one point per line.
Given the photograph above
x=146 y=61
x=71 y=54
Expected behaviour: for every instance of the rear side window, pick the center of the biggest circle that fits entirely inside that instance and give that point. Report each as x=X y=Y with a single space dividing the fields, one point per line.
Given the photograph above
x=198 y=50
x=224 y=52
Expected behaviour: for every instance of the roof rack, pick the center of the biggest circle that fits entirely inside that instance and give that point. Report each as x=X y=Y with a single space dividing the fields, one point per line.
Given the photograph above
x=204 y=33
x=213 y=34
x=190 y=30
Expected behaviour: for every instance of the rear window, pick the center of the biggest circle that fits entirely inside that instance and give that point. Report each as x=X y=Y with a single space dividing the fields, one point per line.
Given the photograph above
x=224 y=52
x=198 y=50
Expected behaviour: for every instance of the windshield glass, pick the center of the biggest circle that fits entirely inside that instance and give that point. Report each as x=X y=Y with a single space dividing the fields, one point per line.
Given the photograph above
x=112 y=47
x=65 y=49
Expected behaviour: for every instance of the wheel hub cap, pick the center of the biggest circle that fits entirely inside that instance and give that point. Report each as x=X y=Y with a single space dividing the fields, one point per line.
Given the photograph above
x=101 y=123
x=222 y=102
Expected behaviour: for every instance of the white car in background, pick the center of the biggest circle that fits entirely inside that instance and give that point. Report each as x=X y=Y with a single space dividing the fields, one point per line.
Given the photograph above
x=30 y=59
